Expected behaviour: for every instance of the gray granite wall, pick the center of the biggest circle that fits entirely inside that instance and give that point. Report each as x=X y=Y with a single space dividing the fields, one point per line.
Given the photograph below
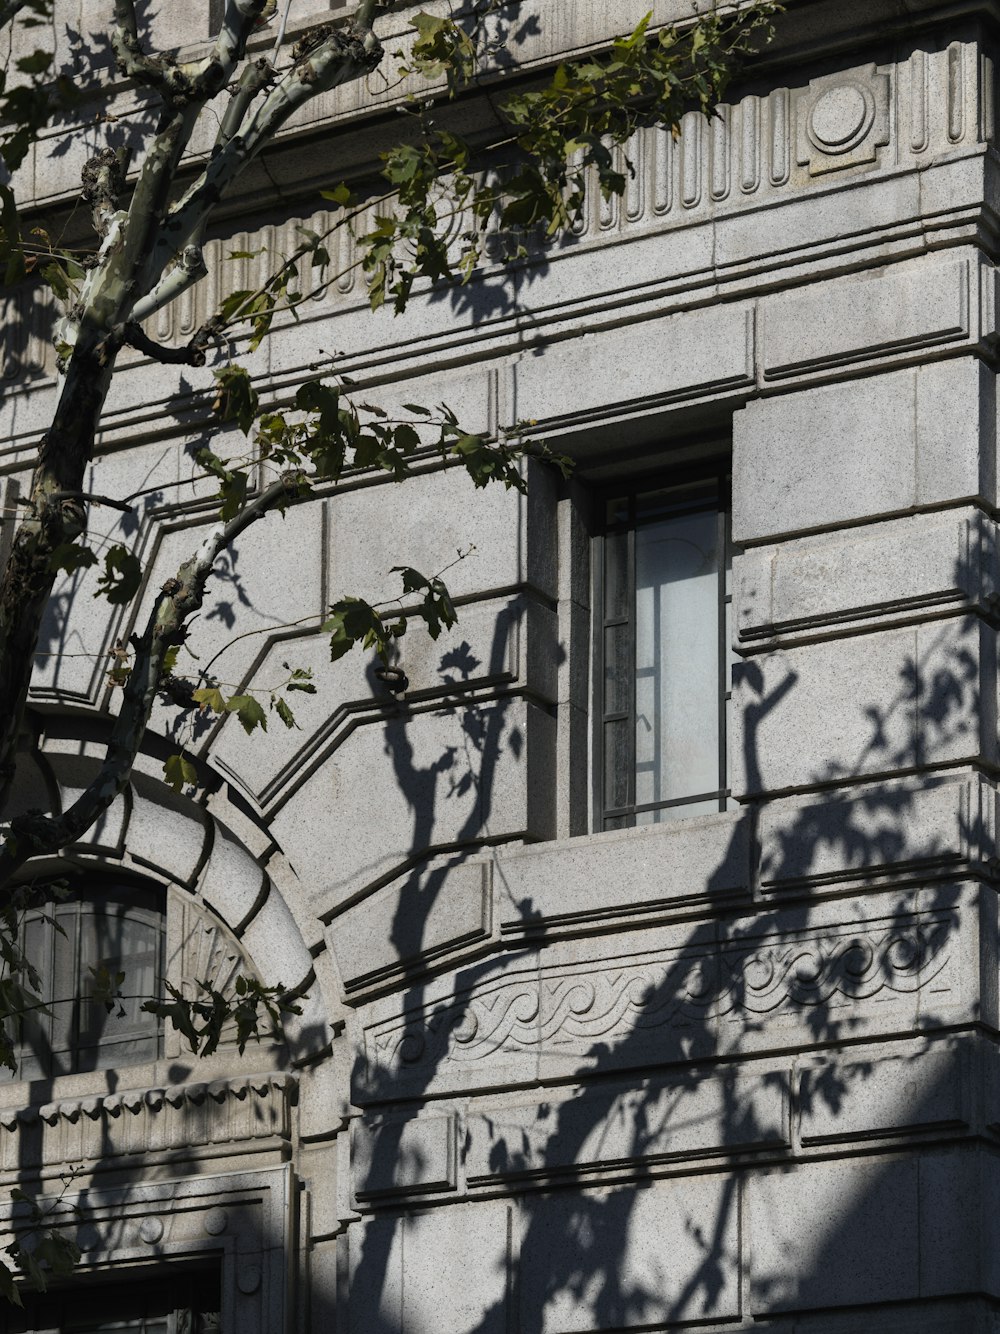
x=733 y=1072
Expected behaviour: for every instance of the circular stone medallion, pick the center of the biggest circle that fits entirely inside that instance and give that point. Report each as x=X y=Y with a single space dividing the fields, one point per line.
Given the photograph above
x=841 y=117
x=151 y=1230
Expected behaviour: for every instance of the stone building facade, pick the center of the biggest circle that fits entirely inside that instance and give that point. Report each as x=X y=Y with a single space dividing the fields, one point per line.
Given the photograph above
x=647 y=941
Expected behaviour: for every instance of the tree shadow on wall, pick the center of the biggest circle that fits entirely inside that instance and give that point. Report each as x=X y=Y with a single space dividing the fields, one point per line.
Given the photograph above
x=660 y=1076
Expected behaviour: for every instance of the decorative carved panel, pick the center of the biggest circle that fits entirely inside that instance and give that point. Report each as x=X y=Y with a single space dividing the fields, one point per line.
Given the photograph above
x=185 y=1121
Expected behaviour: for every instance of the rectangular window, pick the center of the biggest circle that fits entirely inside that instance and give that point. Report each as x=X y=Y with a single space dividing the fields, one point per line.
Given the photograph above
x=185 y=1302
x=663 y=566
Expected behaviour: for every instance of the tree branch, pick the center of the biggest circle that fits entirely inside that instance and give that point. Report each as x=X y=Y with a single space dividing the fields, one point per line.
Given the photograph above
x=190 y=267
x=159 y=72
x=210 y=75
x=191 y=354
x=337 y=56
x=41 y=835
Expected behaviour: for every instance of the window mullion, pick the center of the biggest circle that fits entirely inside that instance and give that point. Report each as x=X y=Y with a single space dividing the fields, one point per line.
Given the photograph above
x=632 y=651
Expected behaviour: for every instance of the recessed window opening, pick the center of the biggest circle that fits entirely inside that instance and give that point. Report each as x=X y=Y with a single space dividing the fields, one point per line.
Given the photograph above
x=179 y=1301
x=119 y=928
x=663 y=597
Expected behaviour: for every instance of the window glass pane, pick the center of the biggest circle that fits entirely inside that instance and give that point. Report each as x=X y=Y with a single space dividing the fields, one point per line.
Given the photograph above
x=126 y=940
x=677 y=657
x=36 y=1027
x=64 y=941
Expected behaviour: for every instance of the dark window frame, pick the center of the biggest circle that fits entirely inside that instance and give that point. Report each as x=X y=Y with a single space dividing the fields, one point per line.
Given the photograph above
x=716 y=471
x=150 y=1303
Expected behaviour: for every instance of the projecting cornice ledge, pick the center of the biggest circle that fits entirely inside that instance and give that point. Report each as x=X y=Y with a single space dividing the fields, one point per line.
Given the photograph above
x=194 y=1120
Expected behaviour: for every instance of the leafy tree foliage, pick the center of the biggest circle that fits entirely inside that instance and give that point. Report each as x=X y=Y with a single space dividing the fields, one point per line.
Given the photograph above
x=510 y=191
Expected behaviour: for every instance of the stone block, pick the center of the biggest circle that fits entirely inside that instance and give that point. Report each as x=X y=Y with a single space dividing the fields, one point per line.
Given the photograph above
x=430 y=519
x=610 y=1126
x=396 y=1156
x=442 y=1250
x=633 y=872
x=826 y=1235
x=682 y=355
x=166 y=831
x=272 y=940
x=494 y=642
x=683 y=992
x=832 y=455
x=883 y=831
x=814 y=221
x=866 y=1230
x=844 y=1101
x=816 y=586
x=373 y=1291
x=436 y=779
x=635 y=1257
x=878 y=703
x=323 y=1106
x=909 y=305
x=232 y=882
x=414 y=1273
x=411 y=921
x=316 y=1167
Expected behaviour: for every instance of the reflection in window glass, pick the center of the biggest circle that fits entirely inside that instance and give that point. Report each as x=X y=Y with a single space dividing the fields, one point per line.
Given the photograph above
x=664 y=653
x=120 y=931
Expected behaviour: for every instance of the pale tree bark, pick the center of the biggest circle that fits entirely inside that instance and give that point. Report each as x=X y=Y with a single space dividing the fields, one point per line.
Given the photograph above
x=150 y=252
x=37 y=835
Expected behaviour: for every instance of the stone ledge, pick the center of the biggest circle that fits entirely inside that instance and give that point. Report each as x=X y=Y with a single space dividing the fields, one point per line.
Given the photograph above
x=111 y=1131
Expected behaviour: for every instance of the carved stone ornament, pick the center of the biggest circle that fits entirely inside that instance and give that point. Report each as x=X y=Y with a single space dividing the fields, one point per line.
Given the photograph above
x=255 y=1251
x=184 y=1121
x=842 y=120
x=575 y=1008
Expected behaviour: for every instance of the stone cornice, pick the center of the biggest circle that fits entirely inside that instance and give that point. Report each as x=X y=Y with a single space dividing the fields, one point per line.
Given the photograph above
x=105 y=1132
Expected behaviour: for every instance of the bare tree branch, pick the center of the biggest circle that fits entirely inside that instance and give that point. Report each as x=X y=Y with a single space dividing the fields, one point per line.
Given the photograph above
x=191 y=354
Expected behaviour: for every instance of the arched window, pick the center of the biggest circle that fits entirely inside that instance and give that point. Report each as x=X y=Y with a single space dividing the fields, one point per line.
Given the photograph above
x=119 y=927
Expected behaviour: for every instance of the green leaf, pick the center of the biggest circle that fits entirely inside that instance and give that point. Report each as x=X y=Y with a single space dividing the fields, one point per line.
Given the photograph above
x=301 y=679
x=233 y=494
x=340 y=194
x=209 y=698
x=249 y=712
x=179 y=773
x=235 y=398
x=281 y=708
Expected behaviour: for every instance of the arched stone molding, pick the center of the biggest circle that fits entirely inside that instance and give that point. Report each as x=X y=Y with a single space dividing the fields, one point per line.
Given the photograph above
x=234 y=901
